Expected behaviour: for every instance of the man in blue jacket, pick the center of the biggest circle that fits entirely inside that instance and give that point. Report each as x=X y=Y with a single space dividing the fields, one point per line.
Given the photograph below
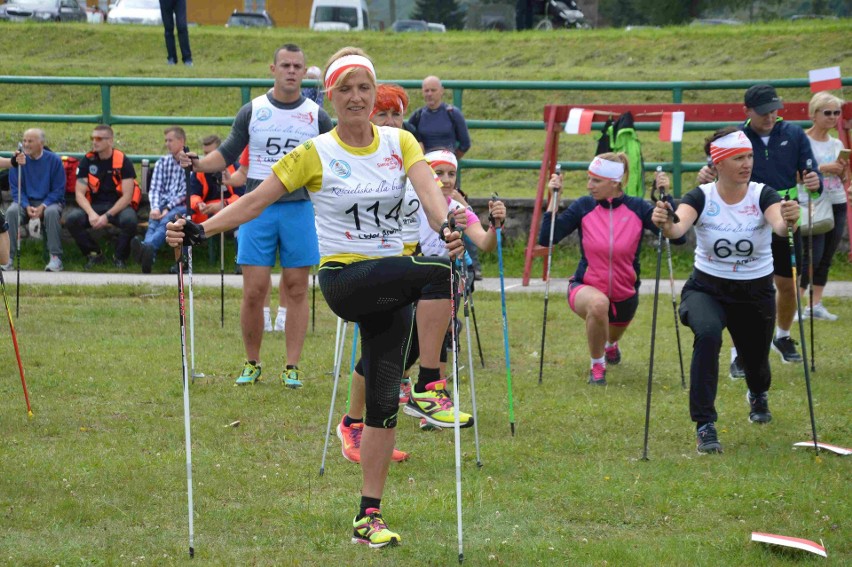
x=782 y=151
x=42 y=195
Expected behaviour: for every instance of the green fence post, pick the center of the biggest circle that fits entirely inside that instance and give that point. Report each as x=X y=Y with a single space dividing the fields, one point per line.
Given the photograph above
x=106 y=105
x=677 y=149
x=245 y=94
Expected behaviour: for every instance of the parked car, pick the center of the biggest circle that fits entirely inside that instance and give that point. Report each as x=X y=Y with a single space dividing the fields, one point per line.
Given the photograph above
x=410 y=26
x=145 y=12
x=339 y=15
x=433 y=27
x=250 y=20
x=715 y=22
x=43 y=11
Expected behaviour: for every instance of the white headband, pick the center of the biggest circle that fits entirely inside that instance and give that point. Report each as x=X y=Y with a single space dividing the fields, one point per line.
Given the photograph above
x=442 y=157
x=730 y=145
x=606 y=169
x=346 y=62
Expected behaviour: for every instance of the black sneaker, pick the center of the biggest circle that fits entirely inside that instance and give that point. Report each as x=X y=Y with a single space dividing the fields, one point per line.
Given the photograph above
x=93 y=259
x=737 y=371
x=758 y=407
x=786 y=347
x=708 y=441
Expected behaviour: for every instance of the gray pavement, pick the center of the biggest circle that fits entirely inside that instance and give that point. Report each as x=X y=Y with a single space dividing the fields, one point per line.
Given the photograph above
x=513 y=285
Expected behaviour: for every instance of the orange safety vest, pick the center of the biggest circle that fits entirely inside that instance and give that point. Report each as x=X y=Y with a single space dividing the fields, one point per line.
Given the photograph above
x=117 y=163
x=195 y=200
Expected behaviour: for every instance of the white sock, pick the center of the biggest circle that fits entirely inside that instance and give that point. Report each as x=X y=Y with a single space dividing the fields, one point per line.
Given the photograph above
x=781 y=333
x=266 y=311
x=601 y=360
x=733 y=354
x=282 y=311
x=610 y=345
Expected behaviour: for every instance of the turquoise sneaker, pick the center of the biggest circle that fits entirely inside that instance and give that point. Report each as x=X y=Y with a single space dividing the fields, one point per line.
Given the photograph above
x=292 y=378
x=249 y=375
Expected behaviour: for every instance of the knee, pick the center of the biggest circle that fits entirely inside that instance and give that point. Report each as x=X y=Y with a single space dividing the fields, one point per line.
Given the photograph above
x=383 y=417
x=254 y=294
x=707 y=332
x=52 y=213
x=598 y=308
x=75 y=219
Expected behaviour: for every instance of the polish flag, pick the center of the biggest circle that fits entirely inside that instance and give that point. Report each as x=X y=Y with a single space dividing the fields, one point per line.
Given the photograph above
x=825 y=79
x=671 y=126
x=579 y=121
x=798 y=543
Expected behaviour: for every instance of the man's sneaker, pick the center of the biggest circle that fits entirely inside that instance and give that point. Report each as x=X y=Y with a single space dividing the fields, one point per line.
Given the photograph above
x=143 y=254
x=250 y=374
x=280 y=322
x=404 y=390
x=820 y=312
x=426 y=426
x=708 y=441
x=292 y=378
x=612 y=354
x=350 y=440
x=373 y=531
x=758 y=407
x=786 y=347
x=806 y=314
x=597 y=375
x=55 y=264
x=737 y=371
x=435 y=406
x=92 y=260
x=8 y=267
x=267 y=322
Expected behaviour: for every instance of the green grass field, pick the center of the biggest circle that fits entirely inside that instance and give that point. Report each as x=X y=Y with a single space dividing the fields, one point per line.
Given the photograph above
x=98 y=477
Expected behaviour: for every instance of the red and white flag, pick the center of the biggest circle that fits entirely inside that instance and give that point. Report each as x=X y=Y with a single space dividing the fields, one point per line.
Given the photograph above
x=825 y=79
x=786 y=541
x=579 y=121
x=671 y=126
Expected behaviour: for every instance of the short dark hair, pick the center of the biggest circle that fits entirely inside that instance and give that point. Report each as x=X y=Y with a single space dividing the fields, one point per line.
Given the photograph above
x=211 y=139
x=177 y=130
x=291 y=47
x=720 y=133
x=105 y=127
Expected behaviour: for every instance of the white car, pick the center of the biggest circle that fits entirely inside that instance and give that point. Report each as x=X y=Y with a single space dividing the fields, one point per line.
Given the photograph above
x=145 y=12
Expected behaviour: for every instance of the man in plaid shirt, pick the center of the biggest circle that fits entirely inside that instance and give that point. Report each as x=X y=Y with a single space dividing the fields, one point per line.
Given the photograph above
x=167 y=196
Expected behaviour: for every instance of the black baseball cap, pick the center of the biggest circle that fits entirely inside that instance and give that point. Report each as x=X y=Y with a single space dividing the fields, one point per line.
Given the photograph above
x=762 y=99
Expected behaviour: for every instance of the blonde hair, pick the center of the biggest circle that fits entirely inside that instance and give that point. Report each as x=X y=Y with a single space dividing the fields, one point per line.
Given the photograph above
x=821 y=100
x=343 y=52
x=622 y=157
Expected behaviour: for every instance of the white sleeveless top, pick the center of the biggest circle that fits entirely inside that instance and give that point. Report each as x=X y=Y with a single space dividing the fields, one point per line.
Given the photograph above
x=411 y=219
x=430 y=243
x=733 y=241
x=361 y=200
x=273 y=132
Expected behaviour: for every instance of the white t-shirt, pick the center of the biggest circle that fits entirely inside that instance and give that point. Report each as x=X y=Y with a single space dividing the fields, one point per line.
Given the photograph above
x=274 y=132
x=827 y=152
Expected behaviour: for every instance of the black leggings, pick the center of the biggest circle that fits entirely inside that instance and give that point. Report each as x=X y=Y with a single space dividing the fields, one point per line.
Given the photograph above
x=379 y=295
x=747 y=309
x=825 y=245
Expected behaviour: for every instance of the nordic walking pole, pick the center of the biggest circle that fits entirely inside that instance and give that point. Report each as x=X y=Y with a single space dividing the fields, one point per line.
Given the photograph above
x=456 y=424
x=664 y=197
x=18 y=240
x=336 y=342
x=182 y=311
x=222 y=262
x=792 y=243
x=476 y=328
x=467 y=296
x=352 y=365
x=314 y=304
x=653 y=337
x=338 y=357
x=810 y=268
x=192 y=374
x=557 y=171
x=15 y=343
x=499 y=231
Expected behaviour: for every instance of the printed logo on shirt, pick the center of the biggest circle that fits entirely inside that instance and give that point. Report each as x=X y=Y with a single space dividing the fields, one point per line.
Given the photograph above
x=784 y=143
x=713 y=209
x=340 y=168
x=304 y=117
x=749 y=211
x=264 y=114
x=392 y=162
x=93 y=169
x=348 y=235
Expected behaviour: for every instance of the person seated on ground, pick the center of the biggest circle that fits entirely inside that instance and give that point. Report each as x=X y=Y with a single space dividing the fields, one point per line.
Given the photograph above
x=205 y=197
x=4 y=240
x=732 y=279
x=604 y=291
x=42 y=195
x=106 y=193
x=167 y=196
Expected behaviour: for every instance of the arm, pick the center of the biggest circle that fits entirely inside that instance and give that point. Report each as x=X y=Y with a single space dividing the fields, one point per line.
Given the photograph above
x=434 y=204
x=486 y=240
x=246 y=208
x=782 y=216
x=155 y=190
x=663 y=218
x=462 y=134
x=57 y=184
x=4 y=241
x=123 y=201
x=813 y=179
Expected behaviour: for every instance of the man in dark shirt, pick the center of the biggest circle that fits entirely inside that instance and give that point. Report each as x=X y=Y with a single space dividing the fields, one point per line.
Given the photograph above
x=106 y=193
x=440 y=125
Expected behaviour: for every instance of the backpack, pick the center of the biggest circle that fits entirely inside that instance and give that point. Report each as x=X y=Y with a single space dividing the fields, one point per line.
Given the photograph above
x=70 y=164
x=621 y=137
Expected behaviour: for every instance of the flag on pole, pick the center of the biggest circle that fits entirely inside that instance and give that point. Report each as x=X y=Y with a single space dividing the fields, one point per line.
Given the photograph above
x=579 y=121
x=796 y=542
x=825 y=79
x=671 y=126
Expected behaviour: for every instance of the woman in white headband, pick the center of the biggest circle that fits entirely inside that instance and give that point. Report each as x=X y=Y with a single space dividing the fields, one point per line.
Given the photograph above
x=604 y=289
x=731 y=283
x=356 y=177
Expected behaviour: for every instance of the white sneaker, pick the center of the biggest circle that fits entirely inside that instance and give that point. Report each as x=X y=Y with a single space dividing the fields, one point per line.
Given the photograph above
x=8 y=267
x=806 y=314
x=55 y=264
x=267 y=322
x=820 y=312
x=280 y=322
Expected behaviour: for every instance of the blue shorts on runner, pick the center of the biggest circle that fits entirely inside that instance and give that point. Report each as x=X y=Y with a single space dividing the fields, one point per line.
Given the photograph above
x=285 y=230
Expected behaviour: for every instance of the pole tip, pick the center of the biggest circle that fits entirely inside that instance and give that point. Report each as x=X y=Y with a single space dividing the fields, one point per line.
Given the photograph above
x=322 y=471
x=461 y=558
x=191 y=552
x=30 y=414
x=479 y=464
x=512 y=427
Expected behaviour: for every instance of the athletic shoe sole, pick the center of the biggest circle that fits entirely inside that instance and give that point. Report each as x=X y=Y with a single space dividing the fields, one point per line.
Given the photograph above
x=362 y=541
x=714 y=449
x=414 y=411
x=293 y=385
x=343 y=449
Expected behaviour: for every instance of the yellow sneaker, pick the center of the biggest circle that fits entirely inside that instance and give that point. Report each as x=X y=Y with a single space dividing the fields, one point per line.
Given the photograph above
x=435 y=406
x=373 y=531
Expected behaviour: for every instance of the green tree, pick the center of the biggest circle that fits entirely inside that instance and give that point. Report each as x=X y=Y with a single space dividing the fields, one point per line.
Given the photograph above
x=447 y=12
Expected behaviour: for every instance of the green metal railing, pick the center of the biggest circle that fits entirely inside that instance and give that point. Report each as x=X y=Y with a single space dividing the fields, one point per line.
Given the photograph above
x=244 y=86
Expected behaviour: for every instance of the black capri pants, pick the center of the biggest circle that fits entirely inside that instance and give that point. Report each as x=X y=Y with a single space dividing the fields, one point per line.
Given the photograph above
x=379 y=295
x=747 y=309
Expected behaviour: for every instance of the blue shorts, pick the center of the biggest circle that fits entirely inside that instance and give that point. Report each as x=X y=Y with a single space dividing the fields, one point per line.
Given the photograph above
x=286 y=229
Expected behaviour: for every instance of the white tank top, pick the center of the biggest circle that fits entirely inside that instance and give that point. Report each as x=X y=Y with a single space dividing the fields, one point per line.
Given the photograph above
x=430 y=243
x=733 y=241
x=273 y=132
x=410 y=219
x=361 y=200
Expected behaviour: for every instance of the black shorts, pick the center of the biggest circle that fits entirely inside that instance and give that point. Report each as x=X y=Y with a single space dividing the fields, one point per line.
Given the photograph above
x=621 y=313
x=781 y=260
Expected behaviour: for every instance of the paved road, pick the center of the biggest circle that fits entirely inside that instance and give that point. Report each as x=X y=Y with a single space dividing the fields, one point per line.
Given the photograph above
x=513 y=285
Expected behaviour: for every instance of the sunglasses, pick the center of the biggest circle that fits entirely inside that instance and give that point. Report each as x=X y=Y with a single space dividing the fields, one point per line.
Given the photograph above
x=831 y=113
x=100 y=138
